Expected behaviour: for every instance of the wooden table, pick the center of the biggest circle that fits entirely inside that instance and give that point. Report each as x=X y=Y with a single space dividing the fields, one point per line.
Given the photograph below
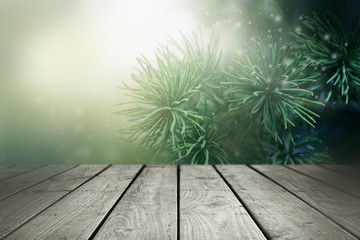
x=179 y=202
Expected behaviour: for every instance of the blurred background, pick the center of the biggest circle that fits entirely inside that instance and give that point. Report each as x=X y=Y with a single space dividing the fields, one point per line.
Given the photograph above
x=62 y=61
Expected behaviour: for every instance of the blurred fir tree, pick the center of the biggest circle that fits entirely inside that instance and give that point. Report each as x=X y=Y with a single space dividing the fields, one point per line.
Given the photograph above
x=190 y=109
x=334 y=50
x=177 y=100
x=268 y=85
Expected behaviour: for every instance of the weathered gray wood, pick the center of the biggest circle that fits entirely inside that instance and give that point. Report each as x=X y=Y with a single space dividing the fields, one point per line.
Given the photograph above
x=24 y=205
x=17 y=170
x=279 y=213
x=6 y=166
x=148 y=210
x=209 y=209
x=78 y=214
x=350 y=170
x=15 y=184
x=341 y=207
x=338 y=180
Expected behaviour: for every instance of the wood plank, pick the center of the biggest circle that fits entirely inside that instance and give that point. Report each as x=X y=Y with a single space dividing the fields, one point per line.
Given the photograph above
x=13 y=185
x=350 y=170
x=279 y=213
x=79 y=213
x=24 y=205
x=209 y=209
x=6 y=166
x=17 y=170
x=338 y=180
x=340 y=207
x=148 y=210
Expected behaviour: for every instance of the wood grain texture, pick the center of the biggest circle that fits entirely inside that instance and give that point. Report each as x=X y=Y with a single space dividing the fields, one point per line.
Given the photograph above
x=349 y=170
x=15 y=184
x=22 y=206
x=209 y=209
x=343 y=182
x=148 y=210
x=15 y=171
x=78 y=214
x=52 y=205
x=279 y=213
x=341 y=207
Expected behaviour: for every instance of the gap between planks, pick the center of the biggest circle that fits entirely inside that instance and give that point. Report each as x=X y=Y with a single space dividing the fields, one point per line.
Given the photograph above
x=11 y=186
x=33 y=201
x=147 y=210
x=281 y=214
x=6 y=166
x=348 y=170
x=183 y=193
x=337 y=206
x=15 y=171
x=210 y=210
x=333 y=179
x=80 y=212
x=242 y=203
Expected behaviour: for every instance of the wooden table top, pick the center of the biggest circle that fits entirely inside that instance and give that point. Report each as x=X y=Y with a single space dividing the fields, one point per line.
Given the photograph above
x=179 y=202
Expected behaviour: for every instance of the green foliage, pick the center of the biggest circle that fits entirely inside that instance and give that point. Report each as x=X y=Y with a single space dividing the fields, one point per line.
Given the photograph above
x=183 y=104
x=165 y=108
x=205 y=57
x=334 y=50
x=202 y=147
x=163 y=92
x=269 y=87
x=295 y=150
x=297 y=146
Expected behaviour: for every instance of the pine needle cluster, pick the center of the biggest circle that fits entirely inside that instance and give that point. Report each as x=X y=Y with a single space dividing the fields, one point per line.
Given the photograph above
x=268 y=85
x=173 y=100
x=334 y=48
x=189 y=109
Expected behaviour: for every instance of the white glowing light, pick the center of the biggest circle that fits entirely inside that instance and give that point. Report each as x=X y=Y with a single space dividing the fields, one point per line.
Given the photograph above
x=96 y=43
